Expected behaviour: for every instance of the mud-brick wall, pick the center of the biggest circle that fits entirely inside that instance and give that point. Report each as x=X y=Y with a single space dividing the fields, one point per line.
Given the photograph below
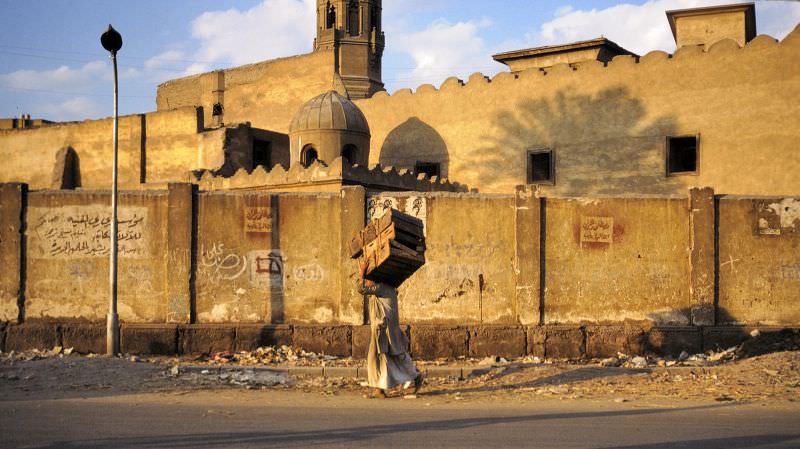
x=270 y=258
x=67 y=255
x=759 y=261
x=468 y=276
x=608 y=260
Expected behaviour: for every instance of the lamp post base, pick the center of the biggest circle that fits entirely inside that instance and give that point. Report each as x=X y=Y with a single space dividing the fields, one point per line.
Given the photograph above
x=112 y=334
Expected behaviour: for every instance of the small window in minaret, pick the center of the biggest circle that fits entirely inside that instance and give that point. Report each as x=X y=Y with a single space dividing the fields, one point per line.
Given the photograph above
x=540 y=167
x=353 y=25
x=373 y=19
x=309 y=156
x=681 y=155
x=331 y=22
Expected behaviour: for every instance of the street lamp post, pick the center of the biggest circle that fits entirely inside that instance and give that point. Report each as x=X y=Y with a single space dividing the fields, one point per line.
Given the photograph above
x=112 y=41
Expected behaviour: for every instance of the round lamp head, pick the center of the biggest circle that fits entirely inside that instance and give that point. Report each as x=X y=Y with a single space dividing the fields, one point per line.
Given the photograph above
x=111 y=40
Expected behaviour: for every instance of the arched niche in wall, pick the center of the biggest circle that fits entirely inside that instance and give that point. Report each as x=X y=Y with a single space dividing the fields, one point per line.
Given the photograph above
x=308 y=155
x=67 y=170
x=413 y=142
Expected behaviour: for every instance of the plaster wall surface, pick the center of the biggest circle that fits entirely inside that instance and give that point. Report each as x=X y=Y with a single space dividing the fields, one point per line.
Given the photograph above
x=266 y=94
x=609 y=260
x=567 y=57
x=709 y=29
x=264 y=257
x=68 y=244
x=468 y=275
x=153 y=147
x=759 y=260
x=607 y=125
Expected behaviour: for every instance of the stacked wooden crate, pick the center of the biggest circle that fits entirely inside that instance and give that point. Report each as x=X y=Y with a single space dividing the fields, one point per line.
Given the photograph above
x=393 y=247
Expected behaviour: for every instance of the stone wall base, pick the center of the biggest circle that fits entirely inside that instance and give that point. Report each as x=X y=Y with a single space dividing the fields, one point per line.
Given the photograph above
x=425 y=341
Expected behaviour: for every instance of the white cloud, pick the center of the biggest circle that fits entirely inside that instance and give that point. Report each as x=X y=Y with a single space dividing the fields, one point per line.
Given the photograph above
x=61 y=78
x=76 y=108
x=443 y=49
x=272 y=29
x=167 y=59
x=642 y=28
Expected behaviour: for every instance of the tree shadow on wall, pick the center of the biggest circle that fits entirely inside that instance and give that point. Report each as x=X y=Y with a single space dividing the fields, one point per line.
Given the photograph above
x=413 y=141
x=602 y=143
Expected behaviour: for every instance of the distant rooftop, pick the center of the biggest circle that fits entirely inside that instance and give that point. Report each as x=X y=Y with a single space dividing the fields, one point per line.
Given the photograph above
x=563 y=48
x=749 y=10
x=599 y=49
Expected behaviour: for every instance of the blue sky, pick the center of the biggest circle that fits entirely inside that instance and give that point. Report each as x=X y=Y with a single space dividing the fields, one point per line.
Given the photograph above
x=52 y=65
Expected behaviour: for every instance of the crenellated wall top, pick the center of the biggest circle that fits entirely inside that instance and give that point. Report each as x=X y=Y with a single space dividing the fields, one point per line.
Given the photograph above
x=318 y=173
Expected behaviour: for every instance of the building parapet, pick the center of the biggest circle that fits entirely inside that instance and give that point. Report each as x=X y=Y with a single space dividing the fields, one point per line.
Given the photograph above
x=588 y=68
x=319 y=173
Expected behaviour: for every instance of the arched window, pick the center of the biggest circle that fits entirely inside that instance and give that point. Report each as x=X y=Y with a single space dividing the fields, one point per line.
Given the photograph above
x=308 y=155
x=350 y=153
x=352 y=18
x=331 y=19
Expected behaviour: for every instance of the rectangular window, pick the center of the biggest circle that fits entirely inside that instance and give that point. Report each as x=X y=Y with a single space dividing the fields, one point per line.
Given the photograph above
x=681 y=155
x=540 y=167
x=262 y=153
x=429 y=168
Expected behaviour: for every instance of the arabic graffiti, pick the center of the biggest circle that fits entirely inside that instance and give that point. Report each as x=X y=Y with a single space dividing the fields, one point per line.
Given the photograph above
x=266 y=269
x=219 y=264
x=257 y=220
x=597 y=229
x=377 y=206
x=84 y=231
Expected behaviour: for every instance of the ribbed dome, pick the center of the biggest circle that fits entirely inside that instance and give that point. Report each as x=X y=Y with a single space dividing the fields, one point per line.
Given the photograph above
x=329 y=111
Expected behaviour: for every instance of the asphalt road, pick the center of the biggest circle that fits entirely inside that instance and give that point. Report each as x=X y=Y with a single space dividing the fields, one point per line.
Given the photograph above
x=241 y=418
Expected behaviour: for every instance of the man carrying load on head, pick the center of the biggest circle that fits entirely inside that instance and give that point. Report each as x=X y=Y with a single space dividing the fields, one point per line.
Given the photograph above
x=388 y=362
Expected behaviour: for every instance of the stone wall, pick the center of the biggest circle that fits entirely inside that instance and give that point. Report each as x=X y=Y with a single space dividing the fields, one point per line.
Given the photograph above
x=571 y=269
x=607 y=124
x=266 y=94
x=154 y=147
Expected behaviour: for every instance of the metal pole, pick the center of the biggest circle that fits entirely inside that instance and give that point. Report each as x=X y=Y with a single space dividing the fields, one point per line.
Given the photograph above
x=112 y=322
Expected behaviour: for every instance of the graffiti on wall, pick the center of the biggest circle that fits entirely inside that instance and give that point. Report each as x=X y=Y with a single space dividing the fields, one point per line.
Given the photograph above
x=416 y=206
x=72 y=232
x=597 y=230
x=266 y=269
x=257 y=220
x=776 y=218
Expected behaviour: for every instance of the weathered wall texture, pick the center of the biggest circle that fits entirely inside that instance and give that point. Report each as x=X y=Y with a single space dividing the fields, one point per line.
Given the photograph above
x=504 y=260
x=154 y=147
x=67 y=239
x=270 y=258
x=607 y=125
x=614 y=259
x=759 y=260
x=468 y=274
x=266 y=94
x=11 y=207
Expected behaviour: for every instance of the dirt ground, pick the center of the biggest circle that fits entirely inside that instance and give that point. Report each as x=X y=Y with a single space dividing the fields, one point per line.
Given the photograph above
x=769 y=377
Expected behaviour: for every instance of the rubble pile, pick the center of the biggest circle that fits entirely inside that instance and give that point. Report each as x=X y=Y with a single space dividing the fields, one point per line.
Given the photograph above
x=35 y=354
x=271 y=355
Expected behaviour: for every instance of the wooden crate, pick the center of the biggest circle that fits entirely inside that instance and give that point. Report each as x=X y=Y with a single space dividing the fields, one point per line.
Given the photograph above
x=391 y=262
x=393 y=247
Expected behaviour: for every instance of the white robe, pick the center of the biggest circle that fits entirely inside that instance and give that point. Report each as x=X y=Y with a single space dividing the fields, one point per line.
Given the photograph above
x=388 y=361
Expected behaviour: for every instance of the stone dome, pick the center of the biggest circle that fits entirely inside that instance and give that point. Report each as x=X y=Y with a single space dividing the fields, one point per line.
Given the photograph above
x=329 y=111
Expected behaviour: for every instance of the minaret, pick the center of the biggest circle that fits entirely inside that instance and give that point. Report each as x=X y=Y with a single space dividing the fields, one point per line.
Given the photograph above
x=352 y=28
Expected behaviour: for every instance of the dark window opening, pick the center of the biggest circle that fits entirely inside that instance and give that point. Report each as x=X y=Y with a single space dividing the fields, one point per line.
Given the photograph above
x=310 y=155
x=429 y=168
x=331 y=13
x=350 y=153
x=353 y=24
x=262 y=154
x=373 y=19
x=540 y=167
x=681 y=155
x=216 y=110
